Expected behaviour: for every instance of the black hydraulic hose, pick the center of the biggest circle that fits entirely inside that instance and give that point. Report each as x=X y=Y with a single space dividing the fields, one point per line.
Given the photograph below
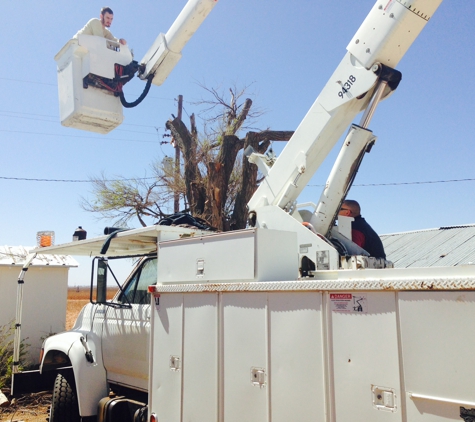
x=107 y=242
x=138 y=100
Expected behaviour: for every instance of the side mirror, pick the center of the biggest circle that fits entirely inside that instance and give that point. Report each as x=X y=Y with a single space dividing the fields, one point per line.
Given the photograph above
x=101 y=278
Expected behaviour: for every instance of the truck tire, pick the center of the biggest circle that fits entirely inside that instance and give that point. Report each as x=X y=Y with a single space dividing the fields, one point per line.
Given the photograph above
x=64 y=405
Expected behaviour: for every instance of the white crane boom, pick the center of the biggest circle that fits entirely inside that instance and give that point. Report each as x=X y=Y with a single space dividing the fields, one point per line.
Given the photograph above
x=365 y=75
x=383 y=38
x=165 y=52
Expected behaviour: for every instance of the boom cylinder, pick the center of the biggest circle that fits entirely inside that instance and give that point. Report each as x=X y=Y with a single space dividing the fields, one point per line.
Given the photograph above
x=340 y=178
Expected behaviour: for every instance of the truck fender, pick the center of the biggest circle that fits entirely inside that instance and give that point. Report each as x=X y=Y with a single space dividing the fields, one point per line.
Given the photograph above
x=90 y=377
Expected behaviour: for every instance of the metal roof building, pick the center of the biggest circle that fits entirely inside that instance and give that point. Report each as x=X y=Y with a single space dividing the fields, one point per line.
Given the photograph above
x=440 y=247
x=14 y=256
x=44 y=296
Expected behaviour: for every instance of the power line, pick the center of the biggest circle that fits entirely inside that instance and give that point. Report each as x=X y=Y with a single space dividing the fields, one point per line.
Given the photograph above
x=49 y=84
x=408 y=183
x=56 y=121
x=418 y=183
x=30 y=118
x=149 y=178
x=29 y=82
x=77 y=136
x=72 y=180
x=56 y=117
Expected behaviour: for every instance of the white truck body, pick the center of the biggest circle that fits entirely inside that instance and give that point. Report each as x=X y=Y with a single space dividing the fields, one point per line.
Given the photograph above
x=366 y=345
x=221 y=343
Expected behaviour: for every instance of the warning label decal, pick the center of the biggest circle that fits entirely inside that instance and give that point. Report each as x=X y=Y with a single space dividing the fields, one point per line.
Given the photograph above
x=348 y=302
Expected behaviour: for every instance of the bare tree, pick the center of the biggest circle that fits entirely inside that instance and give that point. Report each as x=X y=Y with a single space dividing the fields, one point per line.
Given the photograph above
x=215 y=179
x=217 y=188
x=123 y=199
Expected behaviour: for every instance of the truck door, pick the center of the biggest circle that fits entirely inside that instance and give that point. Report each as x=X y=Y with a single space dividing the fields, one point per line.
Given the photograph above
x=126 y=330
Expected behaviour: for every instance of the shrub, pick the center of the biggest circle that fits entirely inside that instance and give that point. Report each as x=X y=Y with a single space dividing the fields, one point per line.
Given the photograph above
x=7 y=335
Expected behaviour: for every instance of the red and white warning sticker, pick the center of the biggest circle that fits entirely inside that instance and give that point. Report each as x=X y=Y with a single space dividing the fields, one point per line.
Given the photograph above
x=349 y=303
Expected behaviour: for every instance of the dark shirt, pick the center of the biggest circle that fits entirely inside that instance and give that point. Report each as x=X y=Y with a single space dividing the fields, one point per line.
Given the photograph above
x=364 y=236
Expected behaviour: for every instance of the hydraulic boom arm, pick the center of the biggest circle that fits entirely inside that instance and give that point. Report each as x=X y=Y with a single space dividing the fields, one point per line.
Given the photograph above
x=365 y=76
x=382 y=40
x=165 y=52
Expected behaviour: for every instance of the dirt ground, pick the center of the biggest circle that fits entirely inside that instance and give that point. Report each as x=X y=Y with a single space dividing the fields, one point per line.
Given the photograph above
x=28 y=408
x=35 y=407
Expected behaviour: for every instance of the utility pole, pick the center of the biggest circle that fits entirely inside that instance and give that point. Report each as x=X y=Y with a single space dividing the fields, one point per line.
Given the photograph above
x=176 y=196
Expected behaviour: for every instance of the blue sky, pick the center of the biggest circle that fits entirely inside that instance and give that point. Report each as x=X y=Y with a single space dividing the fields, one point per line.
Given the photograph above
x=286 y=51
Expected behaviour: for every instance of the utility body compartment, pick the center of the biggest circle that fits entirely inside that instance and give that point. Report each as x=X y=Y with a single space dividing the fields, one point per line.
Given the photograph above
x=371 y=345
x=245 y=255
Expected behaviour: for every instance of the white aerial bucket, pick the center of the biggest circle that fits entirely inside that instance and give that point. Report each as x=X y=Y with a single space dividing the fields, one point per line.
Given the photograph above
x=91 y=108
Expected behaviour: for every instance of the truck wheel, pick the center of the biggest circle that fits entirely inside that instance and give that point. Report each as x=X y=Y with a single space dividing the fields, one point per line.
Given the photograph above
x=64 y=405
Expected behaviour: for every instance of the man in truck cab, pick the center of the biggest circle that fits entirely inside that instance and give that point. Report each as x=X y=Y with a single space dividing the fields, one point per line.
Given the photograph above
x=361 y=232
x=99 y=27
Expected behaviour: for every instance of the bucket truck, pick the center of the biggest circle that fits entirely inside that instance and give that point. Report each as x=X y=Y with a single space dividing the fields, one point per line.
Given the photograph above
x=277 y=322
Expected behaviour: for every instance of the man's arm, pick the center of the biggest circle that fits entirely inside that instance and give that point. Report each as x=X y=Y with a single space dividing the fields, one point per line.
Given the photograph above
x=109 y=36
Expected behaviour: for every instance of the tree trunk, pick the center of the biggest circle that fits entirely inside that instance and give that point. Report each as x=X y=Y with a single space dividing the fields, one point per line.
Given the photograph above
x=195 y=191
x=208 y=202
x=219 y=172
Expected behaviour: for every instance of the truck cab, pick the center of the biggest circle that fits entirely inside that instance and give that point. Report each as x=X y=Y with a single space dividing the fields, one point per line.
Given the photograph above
x=107 y=350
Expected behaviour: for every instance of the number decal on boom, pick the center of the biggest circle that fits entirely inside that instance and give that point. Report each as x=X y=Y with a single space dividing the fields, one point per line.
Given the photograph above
x=346 y=86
